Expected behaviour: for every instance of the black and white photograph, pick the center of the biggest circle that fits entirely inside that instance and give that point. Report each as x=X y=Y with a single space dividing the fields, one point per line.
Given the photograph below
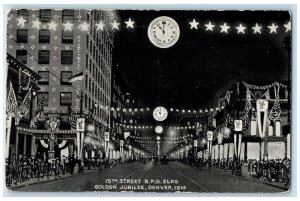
x=148 y=101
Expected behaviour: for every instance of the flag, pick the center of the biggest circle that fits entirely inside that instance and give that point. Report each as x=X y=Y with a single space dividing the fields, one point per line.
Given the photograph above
x=77 y=77
x=24 y=107
x=12 y=105
x=72 y=117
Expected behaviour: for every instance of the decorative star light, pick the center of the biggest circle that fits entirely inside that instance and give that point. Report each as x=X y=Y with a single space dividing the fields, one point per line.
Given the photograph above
x=100 y=26
x=36 y=24
x=68 y=26
x=224 y=28
x=115 y=25
x=52 y=25
x=194 y=24
x=241 y=29
x=288 y=26
x=209 y=26
x=21 y=21
x=129 y=23
x=84 y=26
x=256 y=29
x=273 y=28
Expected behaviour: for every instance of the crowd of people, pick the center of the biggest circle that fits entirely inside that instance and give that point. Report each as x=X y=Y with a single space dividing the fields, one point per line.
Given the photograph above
x=270 y=170
x=273 y=170
x=22 y=168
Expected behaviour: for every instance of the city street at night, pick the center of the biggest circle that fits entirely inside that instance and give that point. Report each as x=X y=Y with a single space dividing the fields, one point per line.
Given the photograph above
x=148 y=101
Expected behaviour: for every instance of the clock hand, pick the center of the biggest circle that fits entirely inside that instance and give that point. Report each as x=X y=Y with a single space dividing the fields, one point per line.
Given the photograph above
x=163 y=23
x=161 y=29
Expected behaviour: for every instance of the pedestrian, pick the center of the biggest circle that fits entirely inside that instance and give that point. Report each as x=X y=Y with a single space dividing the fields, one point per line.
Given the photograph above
x=72 y=164
x=63 y=165
x=8 y=171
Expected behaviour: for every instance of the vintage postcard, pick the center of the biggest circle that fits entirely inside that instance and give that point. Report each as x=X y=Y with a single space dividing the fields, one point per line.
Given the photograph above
x=148 y=101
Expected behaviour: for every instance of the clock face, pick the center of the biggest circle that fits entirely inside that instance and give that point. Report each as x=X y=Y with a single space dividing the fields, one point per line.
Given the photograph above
x=159 y=129
x=163 y=32
x=160 y=113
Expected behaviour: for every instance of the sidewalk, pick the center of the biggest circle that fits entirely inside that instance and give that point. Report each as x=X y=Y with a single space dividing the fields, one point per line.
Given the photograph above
x=51 y=178
x=274 y=184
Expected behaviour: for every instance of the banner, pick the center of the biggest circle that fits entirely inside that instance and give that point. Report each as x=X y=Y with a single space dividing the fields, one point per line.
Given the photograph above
x=238 y=125
x=209 y=135
x=262 y=107
x=80 y=124
x=106 y=136
x=195 y=143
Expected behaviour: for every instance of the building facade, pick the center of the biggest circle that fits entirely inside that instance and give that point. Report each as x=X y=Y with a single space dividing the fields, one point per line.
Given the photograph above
x=21 y=94
x=57 y=45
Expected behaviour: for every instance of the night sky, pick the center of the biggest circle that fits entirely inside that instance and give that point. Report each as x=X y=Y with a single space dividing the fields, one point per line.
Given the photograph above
x=189 y=74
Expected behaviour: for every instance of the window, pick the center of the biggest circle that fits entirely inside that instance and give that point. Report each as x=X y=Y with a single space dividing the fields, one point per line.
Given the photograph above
x=44 y=56
x=64 y=122
x=22 y=35
x=65 y=98
x=67 y=37
x=65 y=77
x=66 y=57
x=45 y=15
x=41 y=96
x=23 y=13
x=44 y=77
x=87 y=40
x=22 y=56
x=86 y=61
x=44 y=36
x=67 y=15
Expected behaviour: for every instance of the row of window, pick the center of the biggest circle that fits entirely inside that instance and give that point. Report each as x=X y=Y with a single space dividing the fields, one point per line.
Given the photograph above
x=97 y=111
x=64 y=77
x=44 y=36
x=45 y=15
x=44 y=56
x=65 y=98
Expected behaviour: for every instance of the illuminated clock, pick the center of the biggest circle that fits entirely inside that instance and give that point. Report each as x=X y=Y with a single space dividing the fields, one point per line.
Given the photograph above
x=160 y=113
x=163 y=32
x=159 y=129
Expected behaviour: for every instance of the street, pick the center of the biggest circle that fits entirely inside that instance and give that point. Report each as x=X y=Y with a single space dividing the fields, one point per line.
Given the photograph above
x=152 y=177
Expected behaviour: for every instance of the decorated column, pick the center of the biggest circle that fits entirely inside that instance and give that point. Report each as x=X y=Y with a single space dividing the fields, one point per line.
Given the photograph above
x=209 y=143
x=195 y=148
x=121 y=148
x=106 y=144
x=237 y=137
x=80 y=126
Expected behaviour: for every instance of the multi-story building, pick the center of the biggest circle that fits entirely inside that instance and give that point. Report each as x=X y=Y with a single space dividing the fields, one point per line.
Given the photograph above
x=58 y=44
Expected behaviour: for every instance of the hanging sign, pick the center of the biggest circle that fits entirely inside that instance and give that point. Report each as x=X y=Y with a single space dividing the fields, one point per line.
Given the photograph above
x=106 y=136
x=91 y=129
x=187 y=148
x=126 y=134
x=214 y=122
x=80 y=124
x=195 y=143
x=209 y=135
x=130 y=147
x=261 y=105
x=238 y=125
x=121 y=143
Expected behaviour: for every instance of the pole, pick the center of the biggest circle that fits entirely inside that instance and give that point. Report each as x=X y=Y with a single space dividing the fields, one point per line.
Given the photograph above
x=8 y=132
